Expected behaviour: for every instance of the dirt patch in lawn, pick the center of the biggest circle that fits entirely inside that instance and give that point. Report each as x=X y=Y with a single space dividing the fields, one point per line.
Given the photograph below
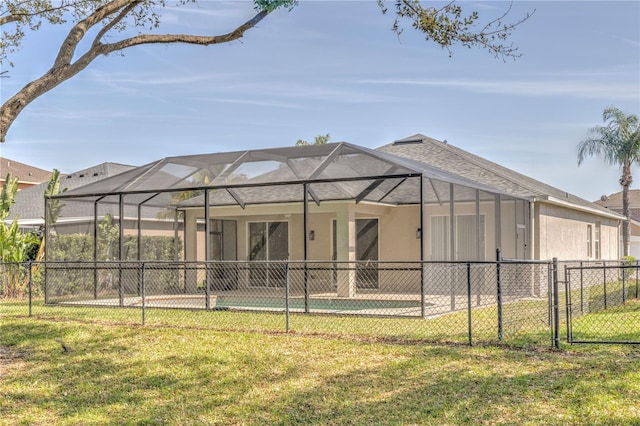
x=9 y=357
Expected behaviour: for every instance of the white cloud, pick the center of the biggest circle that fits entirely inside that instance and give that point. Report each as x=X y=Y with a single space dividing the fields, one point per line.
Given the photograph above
x=581 y=88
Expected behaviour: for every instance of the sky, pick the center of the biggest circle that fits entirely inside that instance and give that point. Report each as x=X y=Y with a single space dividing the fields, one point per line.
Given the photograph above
x=336 y=67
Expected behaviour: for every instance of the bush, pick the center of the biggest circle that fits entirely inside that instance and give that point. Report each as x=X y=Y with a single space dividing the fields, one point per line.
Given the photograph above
x=79 y=248
x=628 y=261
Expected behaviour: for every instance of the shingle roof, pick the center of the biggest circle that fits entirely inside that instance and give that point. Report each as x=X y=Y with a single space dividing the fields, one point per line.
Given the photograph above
x=30 y=201
x=24 y=172
x=441 y=154
x=437 y=161
x=614 y=201
x=336 y=170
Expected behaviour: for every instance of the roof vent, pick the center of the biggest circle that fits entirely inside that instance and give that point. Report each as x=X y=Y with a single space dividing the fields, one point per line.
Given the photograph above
x=604 y=198
x=407 y=141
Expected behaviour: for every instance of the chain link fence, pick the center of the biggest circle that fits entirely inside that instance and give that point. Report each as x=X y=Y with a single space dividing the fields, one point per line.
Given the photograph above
x=460 y=302
x=602 y=304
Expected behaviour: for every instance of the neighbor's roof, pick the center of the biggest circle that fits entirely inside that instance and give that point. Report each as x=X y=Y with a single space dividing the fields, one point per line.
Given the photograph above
x=613 y=201
x=29 y=206
x=431 y=151
x=24 y=172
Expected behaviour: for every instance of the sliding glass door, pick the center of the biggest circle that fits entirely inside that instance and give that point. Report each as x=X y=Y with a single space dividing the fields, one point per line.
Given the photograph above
x=268 y=241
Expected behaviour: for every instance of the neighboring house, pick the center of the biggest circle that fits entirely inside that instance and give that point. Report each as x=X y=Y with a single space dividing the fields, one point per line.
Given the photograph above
x=27 y=175
x=29 y=206
x=415 y=199
x=613 y=202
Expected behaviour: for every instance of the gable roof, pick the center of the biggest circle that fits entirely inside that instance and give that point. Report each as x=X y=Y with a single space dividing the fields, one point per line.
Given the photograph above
x=431 y=151
x=24 y=172
x=29 y=206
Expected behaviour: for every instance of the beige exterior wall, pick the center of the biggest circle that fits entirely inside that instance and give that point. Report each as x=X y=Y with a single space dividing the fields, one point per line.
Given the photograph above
x=562 y=233
x=558 y=231
x=397 y=228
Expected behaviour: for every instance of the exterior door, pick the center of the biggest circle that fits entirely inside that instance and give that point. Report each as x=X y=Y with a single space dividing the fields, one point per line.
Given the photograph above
x=367 y=253
x=223 y=239
x=268 y=241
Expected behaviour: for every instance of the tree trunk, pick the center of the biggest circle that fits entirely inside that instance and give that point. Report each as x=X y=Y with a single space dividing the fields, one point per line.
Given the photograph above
x=626 y=181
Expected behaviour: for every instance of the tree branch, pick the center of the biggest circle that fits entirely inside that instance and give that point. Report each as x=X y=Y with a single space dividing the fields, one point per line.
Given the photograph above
x=9 y=19
x=63 y=69
x=124 y=12
x=75 y=35
x=183 y=38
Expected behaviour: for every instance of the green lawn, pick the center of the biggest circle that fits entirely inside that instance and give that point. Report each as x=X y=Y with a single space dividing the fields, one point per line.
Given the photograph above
x=146 y=375
x=525 y=322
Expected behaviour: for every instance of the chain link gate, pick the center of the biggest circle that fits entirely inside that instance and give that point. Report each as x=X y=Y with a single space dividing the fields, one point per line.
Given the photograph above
x=602 y=304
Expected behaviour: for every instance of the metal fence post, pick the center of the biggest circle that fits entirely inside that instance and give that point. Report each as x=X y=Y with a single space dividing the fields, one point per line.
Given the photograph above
x=581 y=288
x=95 y=281
x=636 y=279
x=207 y=290
x=568 y=304
x=120 y=289
x=556 y=311
x=142 y=294
x=46 y=299
x=30 y=289
x=604 y=268
x=286 y=297
x=624 y=286
x=307 y=292
x=469 y=303
x=499 y=293
x=423 y=293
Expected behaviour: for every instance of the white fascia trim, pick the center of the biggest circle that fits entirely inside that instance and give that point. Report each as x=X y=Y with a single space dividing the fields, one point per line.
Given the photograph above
x=557 y=202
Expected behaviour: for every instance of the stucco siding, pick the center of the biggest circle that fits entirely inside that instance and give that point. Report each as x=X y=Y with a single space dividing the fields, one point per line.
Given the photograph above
x=562 y=233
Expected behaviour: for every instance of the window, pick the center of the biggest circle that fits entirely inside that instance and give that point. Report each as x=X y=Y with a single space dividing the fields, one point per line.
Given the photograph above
x=468 y=246
x=596 y=241
x=589 y=241
x=439 y=238
x=468 y=240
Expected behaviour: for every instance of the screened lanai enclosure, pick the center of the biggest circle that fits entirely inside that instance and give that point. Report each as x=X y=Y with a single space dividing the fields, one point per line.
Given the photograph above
x=318 y=228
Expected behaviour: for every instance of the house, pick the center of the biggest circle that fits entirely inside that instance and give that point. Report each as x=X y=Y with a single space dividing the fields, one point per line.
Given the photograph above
x=412 y=200
x=558 y=224
x=29 y=206
x=613 y=202
x=27 y=175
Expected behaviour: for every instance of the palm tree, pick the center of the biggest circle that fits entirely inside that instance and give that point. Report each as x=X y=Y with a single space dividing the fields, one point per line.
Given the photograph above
x=619 y=143
x=318 y=140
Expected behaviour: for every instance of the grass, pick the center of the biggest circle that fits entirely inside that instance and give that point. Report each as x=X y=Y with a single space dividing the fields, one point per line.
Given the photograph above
x=152 y=375
x=525 y=322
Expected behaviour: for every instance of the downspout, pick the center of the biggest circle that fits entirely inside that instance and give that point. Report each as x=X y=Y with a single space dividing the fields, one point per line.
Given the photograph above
x=532 y=229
